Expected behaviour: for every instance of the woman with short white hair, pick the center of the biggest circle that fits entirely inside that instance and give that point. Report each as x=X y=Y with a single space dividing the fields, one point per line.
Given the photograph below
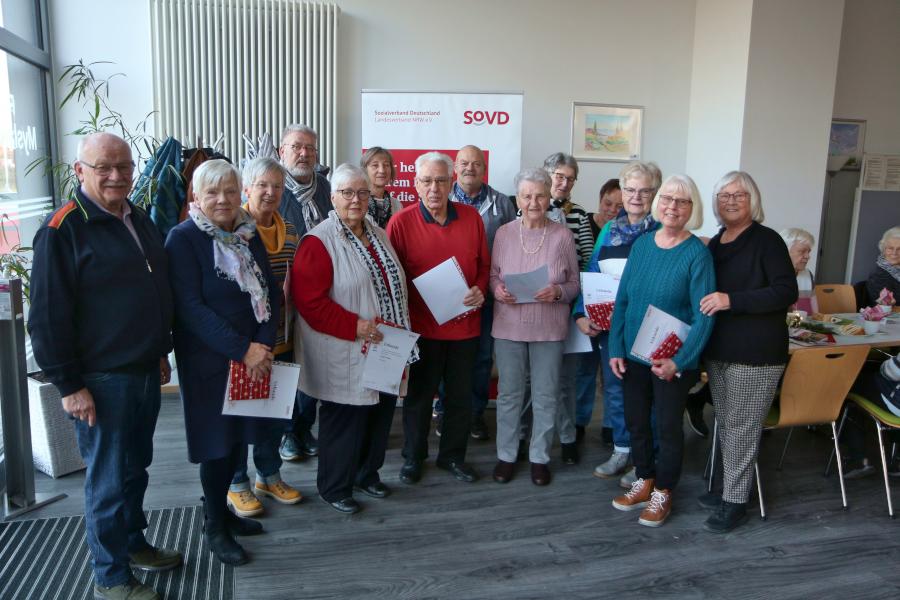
x=800 y=244
x=748 y=349
x=671 y=270
x=887 y=266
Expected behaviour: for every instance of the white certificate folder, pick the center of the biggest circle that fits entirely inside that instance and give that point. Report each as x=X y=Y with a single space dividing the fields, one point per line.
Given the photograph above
x=443 y=289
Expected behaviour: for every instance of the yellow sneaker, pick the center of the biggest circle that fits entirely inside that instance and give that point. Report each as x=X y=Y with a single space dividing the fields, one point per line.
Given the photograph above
x=245 y=503
x=280 y=491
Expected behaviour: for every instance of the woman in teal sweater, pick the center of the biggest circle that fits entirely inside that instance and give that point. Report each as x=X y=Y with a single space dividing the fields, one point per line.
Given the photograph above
x=672 y=270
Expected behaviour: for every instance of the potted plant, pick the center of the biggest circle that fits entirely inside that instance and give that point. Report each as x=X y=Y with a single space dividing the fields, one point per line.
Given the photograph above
x=886 y=301
x=872 y=318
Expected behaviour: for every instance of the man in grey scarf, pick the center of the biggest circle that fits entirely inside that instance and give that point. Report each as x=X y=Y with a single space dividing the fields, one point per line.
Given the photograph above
x=305 y=203
x=306 y=199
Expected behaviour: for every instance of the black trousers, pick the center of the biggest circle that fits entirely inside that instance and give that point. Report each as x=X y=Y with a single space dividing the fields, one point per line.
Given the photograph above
x=352 y=443
x=375 y=439
x=452 y=362
x=644 y=393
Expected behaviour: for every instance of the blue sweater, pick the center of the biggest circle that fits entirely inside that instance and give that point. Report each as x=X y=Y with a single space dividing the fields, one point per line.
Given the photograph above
x=672 y=280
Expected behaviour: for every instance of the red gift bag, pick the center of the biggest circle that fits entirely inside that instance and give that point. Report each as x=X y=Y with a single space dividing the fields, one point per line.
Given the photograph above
x=600 y=314
x=668 y=348
x=242 y=388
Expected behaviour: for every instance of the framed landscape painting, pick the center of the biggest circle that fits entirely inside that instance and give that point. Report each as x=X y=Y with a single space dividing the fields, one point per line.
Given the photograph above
x=848 y=139
x=606 y=131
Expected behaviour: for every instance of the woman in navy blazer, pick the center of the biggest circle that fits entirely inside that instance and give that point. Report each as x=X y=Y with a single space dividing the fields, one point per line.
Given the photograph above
x=226 y=306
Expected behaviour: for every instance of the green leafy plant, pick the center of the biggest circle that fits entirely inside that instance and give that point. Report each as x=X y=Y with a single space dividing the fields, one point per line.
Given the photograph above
x=83 y=87
x=16 y=262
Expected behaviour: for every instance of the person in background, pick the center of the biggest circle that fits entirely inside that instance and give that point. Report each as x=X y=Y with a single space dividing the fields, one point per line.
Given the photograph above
x=263 y=180
x=589 y=363
x=800 y=244
x=100 y=324
x=424 y=236
x=672 y=270
x=563 y=171
x=378 y=163
x=305 y=203
x=639 y=182
x=530 y=336
x=495 y=210
x=227 y=303
x=887 y=266
x=748 y=350
x=345 y=278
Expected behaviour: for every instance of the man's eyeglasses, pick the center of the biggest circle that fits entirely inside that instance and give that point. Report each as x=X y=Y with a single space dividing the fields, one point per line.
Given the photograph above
x=348 y=194
x=644 y=193
x=105 y=170
x=428 y=181
x=298 y=148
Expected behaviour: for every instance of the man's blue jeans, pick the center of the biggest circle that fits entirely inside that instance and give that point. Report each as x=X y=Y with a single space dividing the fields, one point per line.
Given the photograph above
x=117 y=451
x=484 y=362
x=613 y=399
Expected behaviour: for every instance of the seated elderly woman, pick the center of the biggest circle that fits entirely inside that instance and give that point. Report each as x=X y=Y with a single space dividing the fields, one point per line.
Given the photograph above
x=346 y=277
x=887 y=267
x=378 y=164
x=226 y=309
x=529 y=333
x=800 y=244
x=672 y=270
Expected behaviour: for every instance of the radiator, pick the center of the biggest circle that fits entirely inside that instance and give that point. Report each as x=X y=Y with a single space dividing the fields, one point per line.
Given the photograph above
x=223 y=69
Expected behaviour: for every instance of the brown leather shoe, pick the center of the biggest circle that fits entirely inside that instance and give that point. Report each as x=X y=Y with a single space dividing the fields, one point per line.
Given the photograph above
x=540 y=474
x=503 y=472
x=658 y=509
x=637 y=497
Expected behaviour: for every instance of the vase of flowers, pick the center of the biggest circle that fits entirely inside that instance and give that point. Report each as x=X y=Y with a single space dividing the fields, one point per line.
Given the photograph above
x=872 y=318
x=886 y=301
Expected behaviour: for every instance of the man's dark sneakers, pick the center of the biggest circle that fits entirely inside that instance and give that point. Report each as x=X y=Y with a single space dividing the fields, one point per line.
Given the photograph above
x=411 y=471
x=479 y=430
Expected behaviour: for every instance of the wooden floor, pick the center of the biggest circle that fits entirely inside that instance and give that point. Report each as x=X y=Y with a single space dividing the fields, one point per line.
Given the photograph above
x=445 y=539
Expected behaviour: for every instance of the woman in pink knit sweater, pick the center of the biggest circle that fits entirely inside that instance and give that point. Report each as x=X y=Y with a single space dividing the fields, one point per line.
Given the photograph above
x=530 y=332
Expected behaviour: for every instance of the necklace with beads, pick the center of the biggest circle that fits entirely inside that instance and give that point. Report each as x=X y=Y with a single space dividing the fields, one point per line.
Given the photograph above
x=522 y=239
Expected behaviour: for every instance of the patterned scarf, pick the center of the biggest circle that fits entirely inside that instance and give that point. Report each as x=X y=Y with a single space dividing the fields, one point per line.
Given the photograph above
x=233 y=259
x=475 y=201
x=623 y=233
x=559 y=210
x=392 y=298
x=894 y=270
x=305 y=193
x=380 y=209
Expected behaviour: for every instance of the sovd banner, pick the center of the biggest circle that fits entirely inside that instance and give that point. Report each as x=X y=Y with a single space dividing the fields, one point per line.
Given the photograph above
x=412 y=123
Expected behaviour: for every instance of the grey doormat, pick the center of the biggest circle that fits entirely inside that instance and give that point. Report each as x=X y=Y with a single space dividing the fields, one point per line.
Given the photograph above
x=48 y=559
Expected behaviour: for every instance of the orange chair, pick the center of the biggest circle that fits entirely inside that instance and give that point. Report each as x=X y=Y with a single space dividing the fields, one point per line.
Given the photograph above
x=835 y=298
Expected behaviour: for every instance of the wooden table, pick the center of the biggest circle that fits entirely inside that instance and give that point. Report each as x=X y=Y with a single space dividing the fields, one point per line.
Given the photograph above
x=890 y=336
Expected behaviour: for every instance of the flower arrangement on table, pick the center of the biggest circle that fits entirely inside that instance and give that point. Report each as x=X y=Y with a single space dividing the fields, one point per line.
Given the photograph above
x=886 y=301
x=872 y=317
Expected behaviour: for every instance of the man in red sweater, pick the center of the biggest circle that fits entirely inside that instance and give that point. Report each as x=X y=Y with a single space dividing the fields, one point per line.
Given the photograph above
x=425 y=235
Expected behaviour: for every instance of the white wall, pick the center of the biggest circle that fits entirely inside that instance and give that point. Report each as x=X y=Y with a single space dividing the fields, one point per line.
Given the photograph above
x=787 y=118
x=98 y=30
x=610 y=51
x=718 y=90
x=868 y=80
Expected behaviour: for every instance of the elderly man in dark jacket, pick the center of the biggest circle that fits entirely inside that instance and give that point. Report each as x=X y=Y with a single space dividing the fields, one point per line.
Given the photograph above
x=100 y=321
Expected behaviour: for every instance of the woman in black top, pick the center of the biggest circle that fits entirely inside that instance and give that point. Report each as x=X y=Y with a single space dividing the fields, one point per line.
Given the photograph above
x=887 y=267
x=748 y=349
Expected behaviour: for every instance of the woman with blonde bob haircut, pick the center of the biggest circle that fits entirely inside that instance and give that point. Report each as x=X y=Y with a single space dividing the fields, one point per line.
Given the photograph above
x=748 y=348
x=671 y=270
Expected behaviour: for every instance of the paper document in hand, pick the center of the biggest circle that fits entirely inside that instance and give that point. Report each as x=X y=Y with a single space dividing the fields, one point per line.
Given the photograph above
x=599 y=293
x=660 y=335
x=443 y=289
x=279 y=404
x=576 y=341
x=525 y=285
x=384 y=364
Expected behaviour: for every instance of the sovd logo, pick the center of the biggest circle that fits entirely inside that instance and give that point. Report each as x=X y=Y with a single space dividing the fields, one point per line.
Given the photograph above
x=484 y=117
